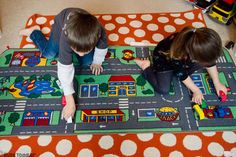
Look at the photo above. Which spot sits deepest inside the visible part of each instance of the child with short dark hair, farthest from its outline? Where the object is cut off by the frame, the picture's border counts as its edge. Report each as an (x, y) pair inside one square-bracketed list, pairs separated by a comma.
[(74, 31), (181, 54)]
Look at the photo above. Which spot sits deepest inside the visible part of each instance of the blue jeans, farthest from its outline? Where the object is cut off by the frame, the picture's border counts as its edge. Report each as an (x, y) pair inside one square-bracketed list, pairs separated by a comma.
[(50, 48)]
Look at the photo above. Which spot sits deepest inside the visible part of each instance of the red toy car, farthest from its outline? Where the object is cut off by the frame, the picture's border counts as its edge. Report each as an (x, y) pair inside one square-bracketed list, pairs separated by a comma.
[(63, 101), (223, 96)]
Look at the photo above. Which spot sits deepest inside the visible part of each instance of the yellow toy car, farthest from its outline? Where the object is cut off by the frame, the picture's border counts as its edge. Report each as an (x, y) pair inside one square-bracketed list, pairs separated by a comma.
[(223, 12)]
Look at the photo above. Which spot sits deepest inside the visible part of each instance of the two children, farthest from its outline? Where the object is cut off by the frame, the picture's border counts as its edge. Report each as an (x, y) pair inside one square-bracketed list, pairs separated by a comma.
[(77, 31)]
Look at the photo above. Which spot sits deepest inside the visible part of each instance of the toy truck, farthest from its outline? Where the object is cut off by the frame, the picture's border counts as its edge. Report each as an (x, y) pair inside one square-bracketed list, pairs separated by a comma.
[(223, 11)]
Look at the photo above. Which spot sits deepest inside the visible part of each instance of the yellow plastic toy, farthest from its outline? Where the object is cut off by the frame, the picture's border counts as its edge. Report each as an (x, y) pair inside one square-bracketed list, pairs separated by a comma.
[(199, 111)]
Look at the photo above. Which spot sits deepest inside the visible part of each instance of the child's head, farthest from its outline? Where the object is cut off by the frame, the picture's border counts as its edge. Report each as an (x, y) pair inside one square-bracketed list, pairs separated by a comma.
[(200, 44), (83, 31)]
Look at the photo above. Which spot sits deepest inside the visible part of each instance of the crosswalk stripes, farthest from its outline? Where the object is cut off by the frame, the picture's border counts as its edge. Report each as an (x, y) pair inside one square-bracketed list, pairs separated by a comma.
[(221, 59), (123, 103), (20, 105)]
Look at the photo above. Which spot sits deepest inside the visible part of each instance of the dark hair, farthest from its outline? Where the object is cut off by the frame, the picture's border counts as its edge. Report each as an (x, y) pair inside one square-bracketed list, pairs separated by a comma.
[(201, 44), (83, 31)]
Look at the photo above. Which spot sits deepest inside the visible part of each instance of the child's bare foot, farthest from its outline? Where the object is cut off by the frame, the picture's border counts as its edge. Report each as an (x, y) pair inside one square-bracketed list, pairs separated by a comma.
[(143, 64), (28, 31)]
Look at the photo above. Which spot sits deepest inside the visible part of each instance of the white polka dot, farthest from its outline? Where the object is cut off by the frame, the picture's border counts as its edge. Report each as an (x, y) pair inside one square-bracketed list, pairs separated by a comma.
[(145, 136), (192, 142), (23, 137), (198, 24), (168, 139), (45, 30), (128, 147), (121, 20), (176, 154), (29, 46), (128, 40), (233, 151), (132, 16), (84, 138), (152, 27), (24, 149), (51, 22), (5, 146), (64, 147), (107, 17), (113, 37), (157, 37), (175, 15), (189, 15), (215, 149), (30, 22), (139, 33), (136, 24), (179, 21), (28, 39), (200, 16), (122, 134), (110, 26), (123, 30), (169, 28), (110, 155), (44, 140), (147, 42), (146, 17), (47, 154), (229, 136), (41, 20), (106, 142), (163, 19), (85, 153), (209, 133), (151, 152)]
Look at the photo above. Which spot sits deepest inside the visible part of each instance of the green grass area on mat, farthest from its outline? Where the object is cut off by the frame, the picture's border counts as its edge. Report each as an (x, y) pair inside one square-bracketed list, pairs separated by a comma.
[(11, 82), (6, 56), (8, 126), (227, 55), (55, 118), (217, 128), (104, 79)]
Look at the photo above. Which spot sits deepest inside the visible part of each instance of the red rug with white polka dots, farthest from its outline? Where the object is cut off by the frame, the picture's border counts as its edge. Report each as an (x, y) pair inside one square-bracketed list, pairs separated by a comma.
[(206, 144), (122, 29), (149, 28)]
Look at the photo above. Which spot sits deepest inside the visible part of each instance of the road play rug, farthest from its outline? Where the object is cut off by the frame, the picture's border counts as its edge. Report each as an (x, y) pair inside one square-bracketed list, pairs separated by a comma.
[(118, 100)]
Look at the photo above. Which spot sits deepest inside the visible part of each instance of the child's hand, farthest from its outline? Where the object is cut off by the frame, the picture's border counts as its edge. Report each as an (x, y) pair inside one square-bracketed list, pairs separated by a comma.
[(143, 64), (219, 86), (69, 109), (96, 69), (197, 97)]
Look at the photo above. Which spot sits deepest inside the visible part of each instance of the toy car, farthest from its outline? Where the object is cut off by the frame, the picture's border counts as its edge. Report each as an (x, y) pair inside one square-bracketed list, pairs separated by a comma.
[(223, 96), (223, 12), (199, 111)]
